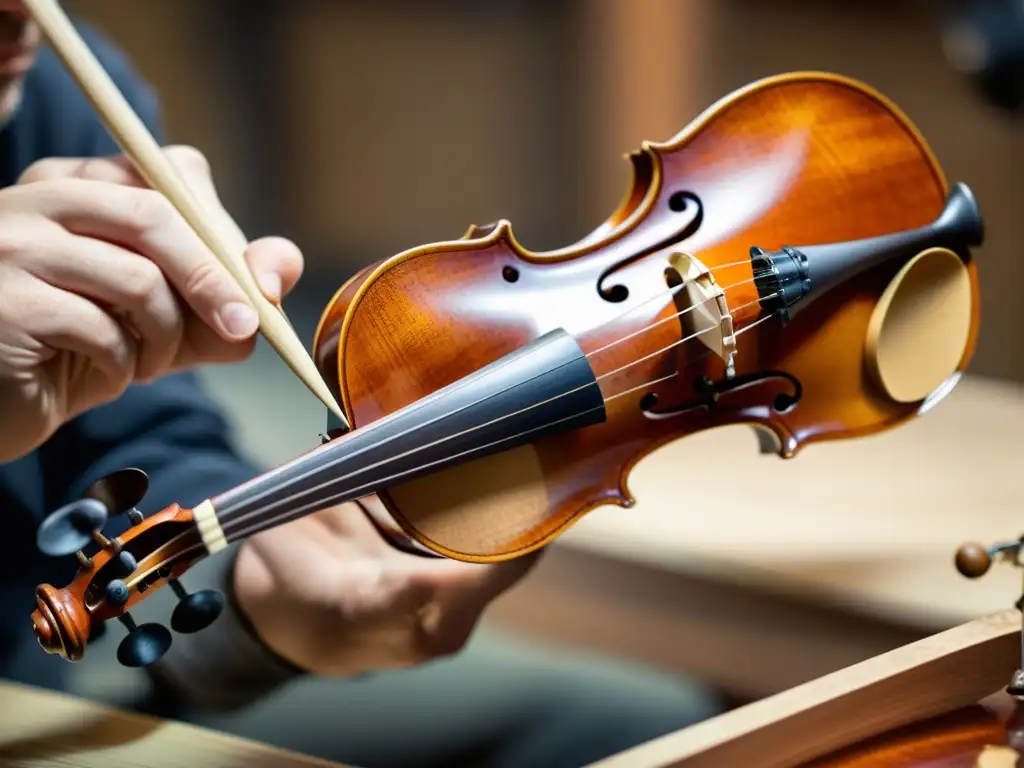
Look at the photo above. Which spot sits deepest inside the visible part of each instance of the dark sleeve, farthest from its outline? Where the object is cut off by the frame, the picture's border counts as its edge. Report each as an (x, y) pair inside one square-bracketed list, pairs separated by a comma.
[(175, 432)]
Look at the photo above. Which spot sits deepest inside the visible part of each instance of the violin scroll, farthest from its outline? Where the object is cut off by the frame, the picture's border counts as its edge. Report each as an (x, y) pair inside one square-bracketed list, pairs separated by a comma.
[(116, 576)]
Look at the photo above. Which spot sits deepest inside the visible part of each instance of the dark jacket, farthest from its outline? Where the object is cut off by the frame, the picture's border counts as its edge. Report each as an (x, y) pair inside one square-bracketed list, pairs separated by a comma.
[(171, 429)]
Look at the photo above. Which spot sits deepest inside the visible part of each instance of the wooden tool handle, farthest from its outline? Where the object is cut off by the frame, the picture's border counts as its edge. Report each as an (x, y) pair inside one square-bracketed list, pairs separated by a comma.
[(142, 149)]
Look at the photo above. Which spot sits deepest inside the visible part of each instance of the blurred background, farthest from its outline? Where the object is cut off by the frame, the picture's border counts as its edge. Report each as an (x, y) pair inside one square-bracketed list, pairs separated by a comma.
[(362, 129)]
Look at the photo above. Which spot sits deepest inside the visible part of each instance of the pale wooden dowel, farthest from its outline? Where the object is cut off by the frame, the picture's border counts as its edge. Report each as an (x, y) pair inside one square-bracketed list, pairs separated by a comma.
[(142, 149)]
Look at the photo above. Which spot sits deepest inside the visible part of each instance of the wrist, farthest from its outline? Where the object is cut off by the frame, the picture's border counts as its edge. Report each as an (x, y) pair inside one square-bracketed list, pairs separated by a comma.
[(227, 665), (248, 592)]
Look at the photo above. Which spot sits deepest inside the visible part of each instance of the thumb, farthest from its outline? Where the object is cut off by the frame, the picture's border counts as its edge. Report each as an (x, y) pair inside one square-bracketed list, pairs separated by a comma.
[(276, 264)]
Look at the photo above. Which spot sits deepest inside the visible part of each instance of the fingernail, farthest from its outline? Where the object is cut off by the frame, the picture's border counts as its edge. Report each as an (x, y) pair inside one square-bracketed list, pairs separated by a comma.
[(271, 284), (239, 320)]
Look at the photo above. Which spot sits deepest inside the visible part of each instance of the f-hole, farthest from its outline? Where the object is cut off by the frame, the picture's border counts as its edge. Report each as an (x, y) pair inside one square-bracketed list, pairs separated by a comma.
[(673, 280), (680, 202)]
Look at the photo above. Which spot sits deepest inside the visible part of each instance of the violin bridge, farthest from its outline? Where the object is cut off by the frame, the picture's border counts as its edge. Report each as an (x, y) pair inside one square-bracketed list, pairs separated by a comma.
[(997, 756), (705, 310)]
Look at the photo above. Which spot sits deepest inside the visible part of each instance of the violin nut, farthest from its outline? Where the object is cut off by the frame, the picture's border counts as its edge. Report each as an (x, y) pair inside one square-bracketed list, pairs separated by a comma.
[(61, 626)]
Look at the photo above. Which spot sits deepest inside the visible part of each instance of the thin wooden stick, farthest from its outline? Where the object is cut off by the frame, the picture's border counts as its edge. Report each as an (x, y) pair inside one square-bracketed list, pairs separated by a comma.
[(941, 673), (142, 149)]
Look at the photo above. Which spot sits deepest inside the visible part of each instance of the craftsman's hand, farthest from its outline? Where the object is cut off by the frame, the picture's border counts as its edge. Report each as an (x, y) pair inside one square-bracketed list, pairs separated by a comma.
[(102, 283), (327, 593)]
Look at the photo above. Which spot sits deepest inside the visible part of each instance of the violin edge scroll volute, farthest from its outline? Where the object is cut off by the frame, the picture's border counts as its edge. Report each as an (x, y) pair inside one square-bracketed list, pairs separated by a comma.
[(60, 624)]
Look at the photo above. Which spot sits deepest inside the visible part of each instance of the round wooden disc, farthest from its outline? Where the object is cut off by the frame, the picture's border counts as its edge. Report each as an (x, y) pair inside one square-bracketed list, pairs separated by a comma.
[(920, 327)]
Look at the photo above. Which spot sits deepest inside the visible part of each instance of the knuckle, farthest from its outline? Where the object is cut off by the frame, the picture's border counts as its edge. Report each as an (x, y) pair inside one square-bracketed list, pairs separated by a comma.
[(145, 282), (13, 243), (189, 159), (148, 210), (99, 169), (204, 279), (40, 170)]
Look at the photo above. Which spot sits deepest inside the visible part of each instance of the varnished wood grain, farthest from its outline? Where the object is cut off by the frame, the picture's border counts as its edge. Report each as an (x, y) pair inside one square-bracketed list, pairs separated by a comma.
[(954, 740), (43, 729), (795, 160)]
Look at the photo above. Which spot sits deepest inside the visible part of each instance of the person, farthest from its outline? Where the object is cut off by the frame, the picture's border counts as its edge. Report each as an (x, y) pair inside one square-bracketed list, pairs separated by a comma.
[(333, 642)]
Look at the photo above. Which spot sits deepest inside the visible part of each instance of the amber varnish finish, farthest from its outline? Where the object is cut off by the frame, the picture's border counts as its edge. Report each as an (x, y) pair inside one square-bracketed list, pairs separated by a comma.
[(986, 735), (798, 160)]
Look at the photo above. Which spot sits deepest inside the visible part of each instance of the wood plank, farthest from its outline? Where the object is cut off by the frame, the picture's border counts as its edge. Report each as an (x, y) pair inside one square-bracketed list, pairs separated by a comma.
[(44, 729), (938, 674)]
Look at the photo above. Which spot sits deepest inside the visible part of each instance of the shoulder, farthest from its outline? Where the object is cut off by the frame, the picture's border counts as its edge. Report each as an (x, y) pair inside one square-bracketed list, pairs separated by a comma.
[(55, 118)]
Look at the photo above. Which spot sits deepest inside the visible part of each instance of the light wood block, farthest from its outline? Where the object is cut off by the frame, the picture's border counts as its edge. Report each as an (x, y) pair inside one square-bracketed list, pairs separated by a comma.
[(43, 729)]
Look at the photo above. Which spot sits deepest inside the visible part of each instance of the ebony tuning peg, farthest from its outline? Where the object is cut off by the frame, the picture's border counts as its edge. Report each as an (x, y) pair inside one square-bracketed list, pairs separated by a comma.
[(144, 645), (121, 491), (196, 611), (71, 527)]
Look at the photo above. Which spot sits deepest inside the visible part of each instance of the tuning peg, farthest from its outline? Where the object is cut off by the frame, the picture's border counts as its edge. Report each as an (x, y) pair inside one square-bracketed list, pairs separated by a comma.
[(71, 527), (144, 644), (121, 491), (974, 560), (197, 611)]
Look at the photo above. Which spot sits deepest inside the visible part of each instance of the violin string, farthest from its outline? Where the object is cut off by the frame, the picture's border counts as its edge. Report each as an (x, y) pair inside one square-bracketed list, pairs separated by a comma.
[(683, 340), (756, 323), (262, 525), (469, 405), (620, 394), (645, 385), (671, 292), (672, 317), (468, 430), (231, 526)]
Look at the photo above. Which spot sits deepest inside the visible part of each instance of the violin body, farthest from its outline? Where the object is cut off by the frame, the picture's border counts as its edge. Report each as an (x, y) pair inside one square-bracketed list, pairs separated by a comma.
[(984, 735), (796, 159)]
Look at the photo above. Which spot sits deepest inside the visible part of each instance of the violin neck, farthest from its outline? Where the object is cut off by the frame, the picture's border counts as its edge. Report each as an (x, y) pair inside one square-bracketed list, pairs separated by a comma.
[(545, 387)]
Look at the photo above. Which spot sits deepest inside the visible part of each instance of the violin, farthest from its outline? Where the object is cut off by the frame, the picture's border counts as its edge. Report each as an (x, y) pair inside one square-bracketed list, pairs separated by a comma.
[(792, 260)]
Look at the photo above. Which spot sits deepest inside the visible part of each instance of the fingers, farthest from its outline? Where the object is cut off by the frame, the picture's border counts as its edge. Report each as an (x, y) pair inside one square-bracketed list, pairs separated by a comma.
[(190, 163), (126, 283), (146, 222), (277, 265), (61, 320)]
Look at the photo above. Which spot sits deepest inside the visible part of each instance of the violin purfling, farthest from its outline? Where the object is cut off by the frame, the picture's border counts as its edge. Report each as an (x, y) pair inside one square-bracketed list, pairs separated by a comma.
[(792, 260)]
